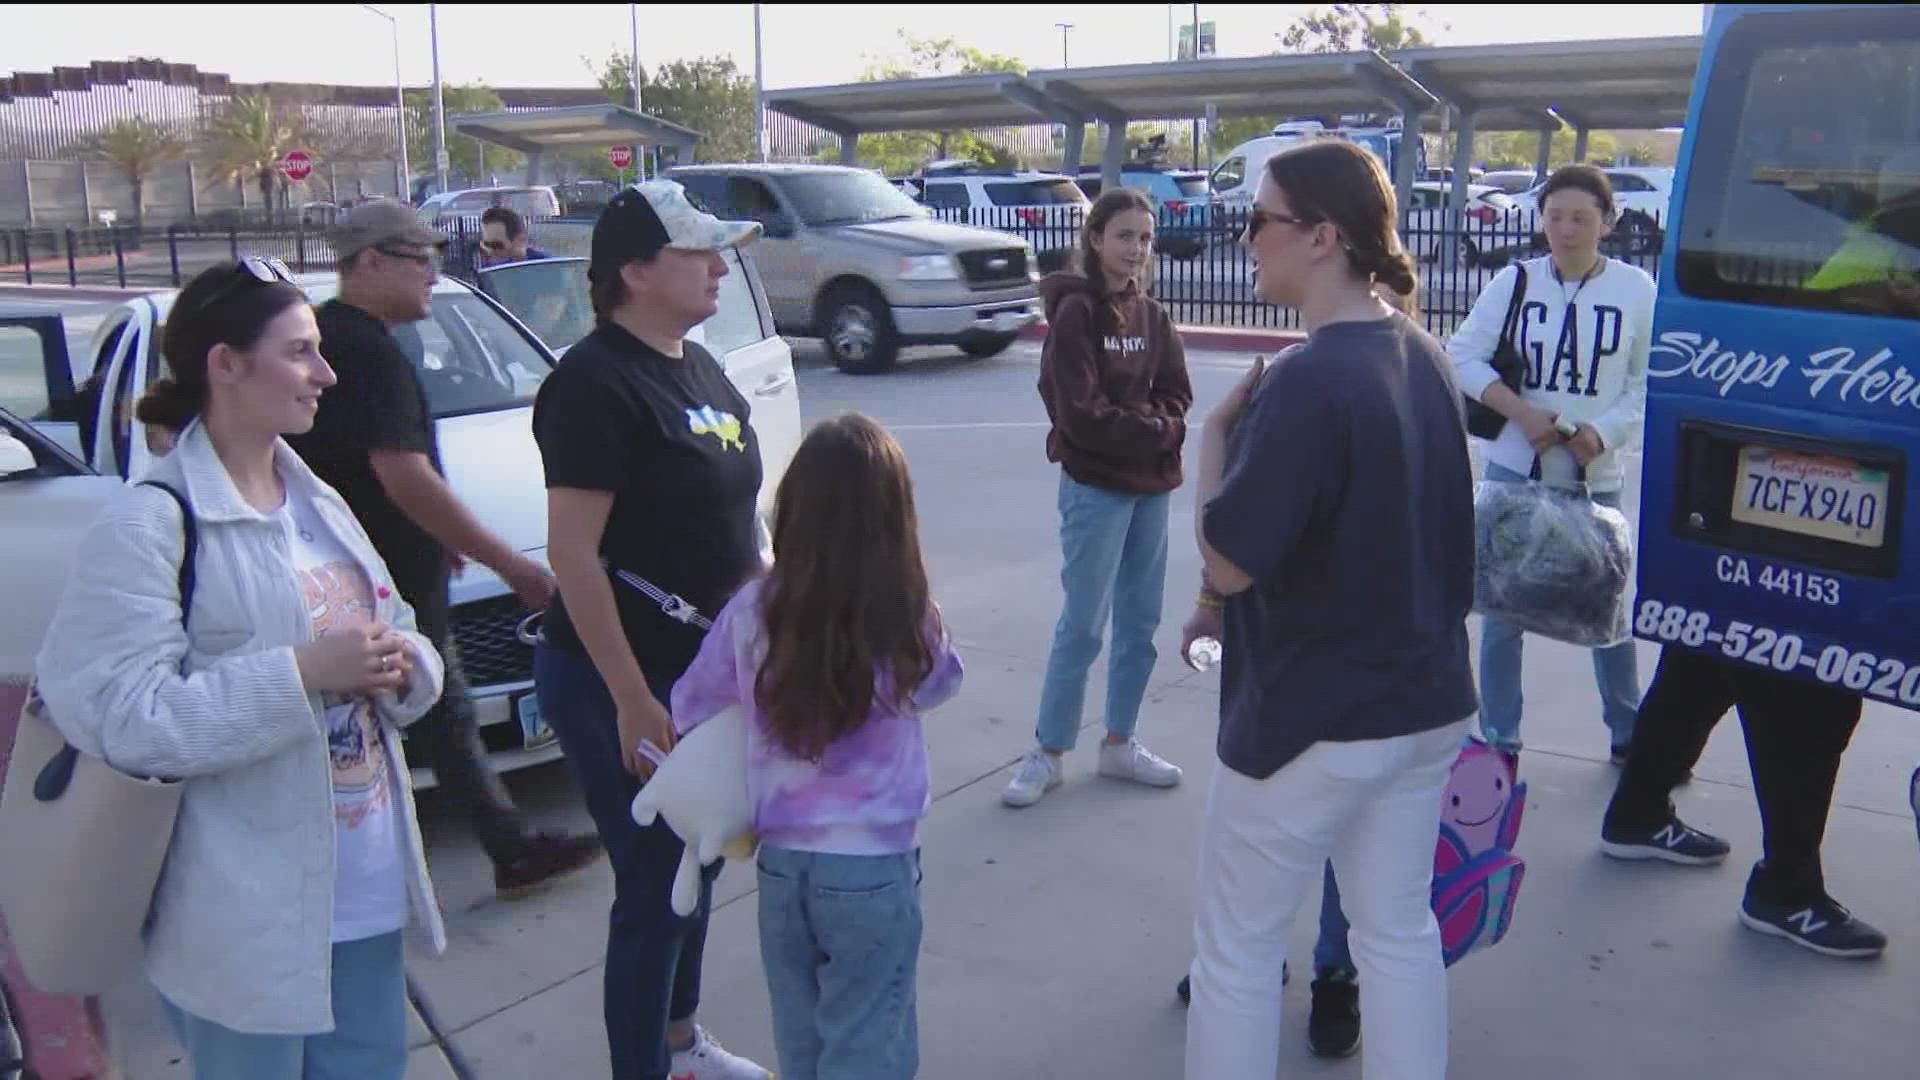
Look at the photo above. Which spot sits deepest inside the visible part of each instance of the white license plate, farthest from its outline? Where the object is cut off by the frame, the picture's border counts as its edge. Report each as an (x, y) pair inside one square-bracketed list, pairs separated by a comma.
[(1828, 498), (534, 732)]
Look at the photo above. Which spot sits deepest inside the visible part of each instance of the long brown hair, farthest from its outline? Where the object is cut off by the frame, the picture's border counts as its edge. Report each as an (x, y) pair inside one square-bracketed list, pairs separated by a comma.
[(1111, 202), (846, 604), (1340, 183)]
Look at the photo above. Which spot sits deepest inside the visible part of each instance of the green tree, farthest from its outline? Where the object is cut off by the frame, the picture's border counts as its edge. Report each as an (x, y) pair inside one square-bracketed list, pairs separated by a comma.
[(466, 157), (245, 140), (709, 94), (1520, 149), (136, 147), (1352, 27), (902, 151)]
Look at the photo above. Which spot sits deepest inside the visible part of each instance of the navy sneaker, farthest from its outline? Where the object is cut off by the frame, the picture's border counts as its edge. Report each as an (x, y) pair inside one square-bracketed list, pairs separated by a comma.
[(1822, 926), (1333, 1027), (1674, 842)]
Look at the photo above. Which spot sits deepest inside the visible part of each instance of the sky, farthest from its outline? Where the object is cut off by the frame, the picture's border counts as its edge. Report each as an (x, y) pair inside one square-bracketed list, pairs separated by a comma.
[(802, 44)]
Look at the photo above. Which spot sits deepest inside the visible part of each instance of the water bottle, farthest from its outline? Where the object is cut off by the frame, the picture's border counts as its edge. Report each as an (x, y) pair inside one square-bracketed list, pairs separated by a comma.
[(1204, 654)]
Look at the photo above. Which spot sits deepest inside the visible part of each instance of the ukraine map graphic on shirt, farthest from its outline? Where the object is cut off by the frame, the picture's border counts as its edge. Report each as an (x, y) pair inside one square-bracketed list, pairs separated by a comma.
[(339, 596), (724, 426)]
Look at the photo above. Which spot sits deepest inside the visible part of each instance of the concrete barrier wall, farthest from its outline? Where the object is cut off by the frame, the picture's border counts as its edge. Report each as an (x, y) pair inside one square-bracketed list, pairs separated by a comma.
[(51, 193)]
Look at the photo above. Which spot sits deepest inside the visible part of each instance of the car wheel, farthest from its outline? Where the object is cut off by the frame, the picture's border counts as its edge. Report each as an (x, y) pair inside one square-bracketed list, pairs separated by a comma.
[(1184, 250), (1466, 252), (984, 345), (1637, 234), (858, 330)]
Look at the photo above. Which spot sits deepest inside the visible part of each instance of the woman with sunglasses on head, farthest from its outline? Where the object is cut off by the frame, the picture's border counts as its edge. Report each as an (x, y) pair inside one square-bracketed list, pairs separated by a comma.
[(274, 692), (1336, 532)]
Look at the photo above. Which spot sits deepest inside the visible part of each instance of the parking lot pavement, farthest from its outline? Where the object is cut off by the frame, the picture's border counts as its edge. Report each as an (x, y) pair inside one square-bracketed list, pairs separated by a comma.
[(1055, 935)]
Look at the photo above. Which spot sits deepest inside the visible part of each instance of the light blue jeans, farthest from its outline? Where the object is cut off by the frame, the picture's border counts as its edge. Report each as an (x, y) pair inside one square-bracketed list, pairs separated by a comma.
[(1114, 567), (368, 1040), (1616, 669), (840, 939)]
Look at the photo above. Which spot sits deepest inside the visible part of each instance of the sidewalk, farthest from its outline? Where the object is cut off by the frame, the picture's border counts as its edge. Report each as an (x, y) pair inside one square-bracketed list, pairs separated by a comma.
[(1055, 935)]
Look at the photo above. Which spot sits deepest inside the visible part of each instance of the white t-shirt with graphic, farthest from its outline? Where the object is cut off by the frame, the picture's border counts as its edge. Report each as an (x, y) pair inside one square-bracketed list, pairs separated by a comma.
[(370, 884)]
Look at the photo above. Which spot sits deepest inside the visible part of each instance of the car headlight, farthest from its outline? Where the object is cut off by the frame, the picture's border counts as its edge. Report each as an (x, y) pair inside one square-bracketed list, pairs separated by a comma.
[(938, 267)]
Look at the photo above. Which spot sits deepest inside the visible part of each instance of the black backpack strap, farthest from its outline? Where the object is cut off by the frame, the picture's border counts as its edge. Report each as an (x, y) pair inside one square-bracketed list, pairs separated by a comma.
[(190, 559), (1515, 303)]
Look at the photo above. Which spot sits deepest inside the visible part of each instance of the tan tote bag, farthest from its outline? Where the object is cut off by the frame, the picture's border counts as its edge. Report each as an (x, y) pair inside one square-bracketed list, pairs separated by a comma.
[(82, 845)]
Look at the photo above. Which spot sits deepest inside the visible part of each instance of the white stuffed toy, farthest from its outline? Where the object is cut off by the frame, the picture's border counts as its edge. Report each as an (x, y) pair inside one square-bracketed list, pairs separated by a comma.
[(701, 790)]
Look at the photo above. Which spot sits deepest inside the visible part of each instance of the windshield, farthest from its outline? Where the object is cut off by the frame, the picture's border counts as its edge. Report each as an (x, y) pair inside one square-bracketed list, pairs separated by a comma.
[(470, 359), (1786, 207), (847, 198), (1191, 184)]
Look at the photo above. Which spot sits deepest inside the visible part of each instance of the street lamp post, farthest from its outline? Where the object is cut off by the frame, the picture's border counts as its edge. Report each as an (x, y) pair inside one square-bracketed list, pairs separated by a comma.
[(759, 94), (439, 103), (404, 176), (1064, 28)]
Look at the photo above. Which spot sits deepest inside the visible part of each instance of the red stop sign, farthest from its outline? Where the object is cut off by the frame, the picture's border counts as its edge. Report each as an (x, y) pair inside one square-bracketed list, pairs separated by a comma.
[(620, 156), (297, 165)]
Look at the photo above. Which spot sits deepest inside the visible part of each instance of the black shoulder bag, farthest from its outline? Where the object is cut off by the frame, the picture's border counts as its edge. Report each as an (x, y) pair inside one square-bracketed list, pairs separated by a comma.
[(1483, 422)]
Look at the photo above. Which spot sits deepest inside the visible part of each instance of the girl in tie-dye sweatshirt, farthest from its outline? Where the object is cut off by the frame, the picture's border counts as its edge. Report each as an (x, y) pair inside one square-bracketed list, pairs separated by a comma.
[(833, 655)]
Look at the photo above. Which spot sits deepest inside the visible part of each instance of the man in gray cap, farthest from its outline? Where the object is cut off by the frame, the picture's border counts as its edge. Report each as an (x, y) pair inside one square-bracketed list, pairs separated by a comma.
[(374, 441)]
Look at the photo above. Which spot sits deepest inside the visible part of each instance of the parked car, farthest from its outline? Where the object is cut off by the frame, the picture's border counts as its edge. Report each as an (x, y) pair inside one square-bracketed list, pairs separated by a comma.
[(1511, 181), (1183, 204), (1490, 220), (850, 259), (481, 366)]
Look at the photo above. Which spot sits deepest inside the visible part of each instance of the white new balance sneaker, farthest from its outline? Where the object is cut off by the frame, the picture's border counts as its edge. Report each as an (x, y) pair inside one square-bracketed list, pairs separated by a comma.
[(1131, 761), (1038, 773), (708, 1060)]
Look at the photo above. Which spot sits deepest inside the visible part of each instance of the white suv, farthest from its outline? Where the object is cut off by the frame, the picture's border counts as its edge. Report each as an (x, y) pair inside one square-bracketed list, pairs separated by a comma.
[(480, 364), (1045, 209)]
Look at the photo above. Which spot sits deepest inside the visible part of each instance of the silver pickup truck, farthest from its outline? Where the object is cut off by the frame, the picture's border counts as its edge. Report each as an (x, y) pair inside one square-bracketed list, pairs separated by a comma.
[(849, 259)]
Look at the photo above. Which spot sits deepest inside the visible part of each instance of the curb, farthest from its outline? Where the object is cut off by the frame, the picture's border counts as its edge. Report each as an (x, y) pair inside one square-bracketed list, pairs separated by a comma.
[(1215, 338), (57, 293)]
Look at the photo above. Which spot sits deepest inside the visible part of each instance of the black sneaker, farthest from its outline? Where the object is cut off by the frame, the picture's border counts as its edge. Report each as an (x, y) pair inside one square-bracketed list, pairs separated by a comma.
[(1185, 989), (1674, 842), (1823, 926), (1333, 1027)]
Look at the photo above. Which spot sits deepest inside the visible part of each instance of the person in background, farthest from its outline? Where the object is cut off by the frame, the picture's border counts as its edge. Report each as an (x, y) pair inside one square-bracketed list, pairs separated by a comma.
[(1586, 329), (653, 473), (275, 694), (504, 238), (1796, 733), (1113, 376), (374, 441), (834, 655), (1336, 531)]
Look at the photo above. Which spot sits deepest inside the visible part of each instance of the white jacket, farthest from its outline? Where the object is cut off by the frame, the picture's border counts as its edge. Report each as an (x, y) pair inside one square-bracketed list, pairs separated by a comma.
[(242, 921), (1587, 362)]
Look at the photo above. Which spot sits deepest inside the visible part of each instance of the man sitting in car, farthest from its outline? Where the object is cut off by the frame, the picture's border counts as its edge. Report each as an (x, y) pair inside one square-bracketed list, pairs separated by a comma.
[(504, 239)]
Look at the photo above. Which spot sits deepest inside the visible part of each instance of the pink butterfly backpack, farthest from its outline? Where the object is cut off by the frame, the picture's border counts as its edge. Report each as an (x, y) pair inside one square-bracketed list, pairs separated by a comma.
[(1476, 876)]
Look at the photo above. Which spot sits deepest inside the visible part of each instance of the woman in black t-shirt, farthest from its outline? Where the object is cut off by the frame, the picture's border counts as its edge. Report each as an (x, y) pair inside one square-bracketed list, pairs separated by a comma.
[(652, 476)]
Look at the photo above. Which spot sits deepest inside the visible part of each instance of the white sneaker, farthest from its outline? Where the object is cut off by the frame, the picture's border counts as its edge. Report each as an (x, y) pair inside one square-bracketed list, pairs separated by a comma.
[(1131, 761), (708, 1060), (1039, 773)]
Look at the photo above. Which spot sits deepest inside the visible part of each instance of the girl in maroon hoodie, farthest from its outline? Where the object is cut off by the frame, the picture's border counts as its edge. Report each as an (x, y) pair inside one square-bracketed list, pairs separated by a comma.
[(1114, 380)]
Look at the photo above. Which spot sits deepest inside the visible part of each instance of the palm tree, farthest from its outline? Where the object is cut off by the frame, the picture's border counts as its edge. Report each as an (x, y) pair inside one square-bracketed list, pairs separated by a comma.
[(247, 140), (136, 147)]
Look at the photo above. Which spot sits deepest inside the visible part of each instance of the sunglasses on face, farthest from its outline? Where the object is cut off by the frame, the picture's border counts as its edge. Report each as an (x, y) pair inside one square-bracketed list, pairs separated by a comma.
[(1260, 217)]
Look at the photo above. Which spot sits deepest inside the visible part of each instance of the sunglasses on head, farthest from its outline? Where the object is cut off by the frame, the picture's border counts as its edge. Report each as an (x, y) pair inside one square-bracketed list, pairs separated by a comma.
[(252, 270)]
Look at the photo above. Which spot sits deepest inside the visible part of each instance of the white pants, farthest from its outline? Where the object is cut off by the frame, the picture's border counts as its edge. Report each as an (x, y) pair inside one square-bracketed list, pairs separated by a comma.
[(1374, 808)]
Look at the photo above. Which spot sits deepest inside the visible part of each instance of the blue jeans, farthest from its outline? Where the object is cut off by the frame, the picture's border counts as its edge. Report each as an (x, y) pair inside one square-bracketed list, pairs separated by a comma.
[(652, 975), (1114, 567), (368, 1040), (840, 939), (1616, 669), (1330, 955)]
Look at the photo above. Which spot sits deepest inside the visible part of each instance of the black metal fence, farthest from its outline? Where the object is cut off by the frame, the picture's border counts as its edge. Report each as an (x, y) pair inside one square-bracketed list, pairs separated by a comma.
[(1203, 274)]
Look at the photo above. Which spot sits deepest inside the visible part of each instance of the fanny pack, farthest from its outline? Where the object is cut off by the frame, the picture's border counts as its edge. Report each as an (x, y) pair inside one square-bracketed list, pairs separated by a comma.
[(672, 605)]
